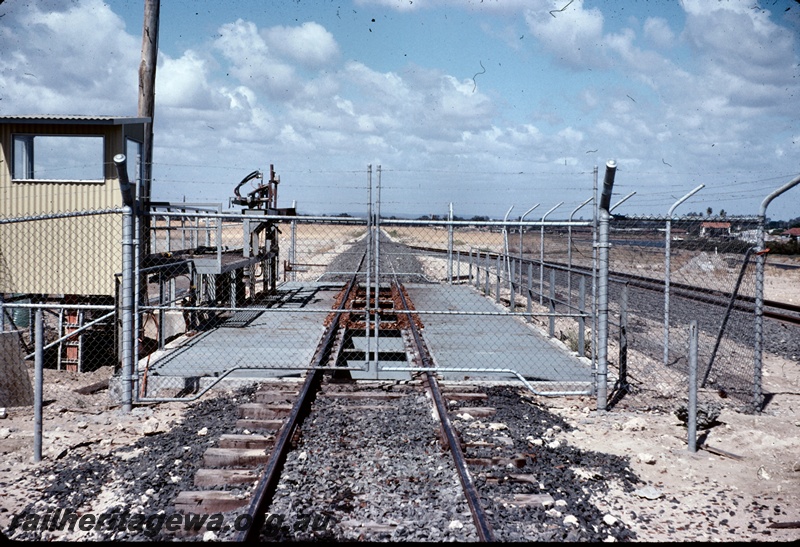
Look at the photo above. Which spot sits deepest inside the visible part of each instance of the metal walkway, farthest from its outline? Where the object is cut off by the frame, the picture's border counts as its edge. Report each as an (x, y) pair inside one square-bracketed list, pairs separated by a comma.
[(282, 343)]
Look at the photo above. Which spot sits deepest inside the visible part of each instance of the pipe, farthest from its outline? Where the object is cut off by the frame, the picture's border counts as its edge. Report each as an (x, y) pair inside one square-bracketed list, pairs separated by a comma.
[(667, 245), (760, 262), (541, 253), (623, 200), (602, 286), (569, 253), (38, 387), (127, 290)]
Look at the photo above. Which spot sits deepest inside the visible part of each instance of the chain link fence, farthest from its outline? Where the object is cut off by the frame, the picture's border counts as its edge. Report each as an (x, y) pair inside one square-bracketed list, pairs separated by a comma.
[(667, 273), (63, 269), (248, 308), (232, 297)]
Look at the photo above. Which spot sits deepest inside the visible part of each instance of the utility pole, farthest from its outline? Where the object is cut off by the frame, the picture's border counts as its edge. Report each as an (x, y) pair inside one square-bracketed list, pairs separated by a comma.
[(147, 96)]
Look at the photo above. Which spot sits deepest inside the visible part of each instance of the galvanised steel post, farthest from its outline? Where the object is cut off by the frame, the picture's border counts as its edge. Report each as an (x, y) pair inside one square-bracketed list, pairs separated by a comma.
[(521, 219), (506, 263), (668, 236), (293, 252), (691, 422), (760, 261), (450, 246), (569, 254), (377, 268), (38, 386), (367, 358), (128, 280), (604, 218), (541, 253)]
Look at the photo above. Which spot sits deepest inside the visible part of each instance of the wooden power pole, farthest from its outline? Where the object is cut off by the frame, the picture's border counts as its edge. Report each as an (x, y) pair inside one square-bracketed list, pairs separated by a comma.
[(147, 97)]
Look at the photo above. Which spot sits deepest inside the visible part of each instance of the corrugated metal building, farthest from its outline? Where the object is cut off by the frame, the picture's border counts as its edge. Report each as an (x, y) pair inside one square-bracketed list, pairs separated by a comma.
[(52, 165)]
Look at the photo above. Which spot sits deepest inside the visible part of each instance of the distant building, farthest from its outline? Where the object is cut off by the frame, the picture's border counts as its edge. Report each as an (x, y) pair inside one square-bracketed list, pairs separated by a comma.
[(715, 229), (791, 234)]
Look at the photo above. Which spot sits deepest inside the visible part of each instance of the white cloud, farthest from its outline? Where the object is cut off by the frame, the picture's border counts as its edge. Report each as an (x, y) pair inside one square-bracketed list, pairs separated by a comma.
[(52, 64), (573, 36), (309, 44), (252, 62), (657, 30)]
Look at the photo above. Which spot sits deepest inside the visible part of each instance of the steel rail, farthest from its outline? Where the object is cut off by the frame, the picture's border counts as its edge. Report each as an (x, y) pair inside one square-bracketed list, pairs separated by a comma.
[(479, 517), (268, 483), (715, 297)]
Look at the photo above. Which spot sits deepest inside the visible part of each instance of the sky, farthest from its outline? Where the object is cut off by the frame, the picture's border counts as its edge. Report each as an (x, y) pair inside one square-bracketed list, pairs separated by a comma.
[(491, 106)]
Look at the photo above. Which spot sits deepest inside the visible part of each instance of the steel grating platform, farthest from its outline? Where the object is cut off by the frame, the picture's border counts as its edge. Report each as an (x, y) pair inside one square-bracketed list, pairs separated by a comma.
[(281, 343)]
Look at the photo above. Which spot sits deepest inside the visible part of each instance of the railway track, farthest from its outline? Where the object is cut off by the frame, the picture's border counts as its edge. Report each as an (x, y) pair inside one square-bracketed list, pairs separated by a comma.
[(780, 311), (395, 439)]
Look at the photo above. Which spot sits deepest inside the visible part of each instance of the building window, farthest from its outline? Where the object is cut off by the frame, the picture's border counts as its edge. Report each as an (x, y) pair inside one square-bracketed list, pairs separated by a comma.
[(71, 158)]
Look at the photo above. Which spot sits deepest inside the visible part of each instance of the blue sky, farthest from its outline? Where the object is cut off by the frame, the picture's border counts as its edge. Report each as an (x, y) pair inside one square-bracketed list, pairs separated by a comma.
[(482, 104)]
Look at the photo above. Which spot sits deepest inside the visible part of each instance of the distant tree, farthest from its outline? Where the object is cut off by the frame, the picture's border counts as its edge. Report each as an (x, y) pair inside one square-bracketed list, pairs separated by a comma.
[(722, 213), (709, 211)]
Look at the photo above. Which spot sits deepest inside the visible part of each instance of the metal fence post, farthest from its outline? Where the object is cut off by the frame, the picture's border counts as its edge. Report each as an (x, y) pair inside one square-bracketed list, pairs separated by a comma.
[(38, 387), (602, 286), (569, 253), (128, 280), (529, 296), (668, 235), (581, 317), (692, 408), (497, 282), (370, 236), (761, 259), (450, 246), (552, 303), (541, 253)]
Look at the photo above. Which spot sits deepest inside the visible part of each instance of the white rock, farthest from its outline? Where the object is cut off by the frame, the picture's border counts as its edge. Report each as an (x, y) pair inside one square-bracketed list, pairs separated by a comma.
[(561, 503), (455, 525), (3, 414), (649, 492), (496, 426), (762, 474), (553, 445), (610, 539), (209, 536), (5, 433), (610, 520), (635, 424), (644, 457), (464, 416), (571, 519), (203, 432), (81, 425)]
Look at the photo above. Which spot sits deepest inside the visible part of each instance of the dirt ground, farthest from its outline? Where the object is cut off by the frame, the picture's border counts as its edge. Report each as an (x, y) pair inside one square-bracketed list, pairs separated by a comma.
[(743, 484)]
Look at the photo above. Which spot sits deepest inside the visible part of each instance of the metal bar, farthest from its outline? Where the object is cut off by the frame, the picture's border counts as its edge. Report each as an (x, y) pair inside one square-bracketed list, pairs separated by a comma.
[(602, 286), (450, 246), (692, 409), (552, 304), (623, 338), (759, 333), (582, 316), (529, 296), (668, 235), (726, 316), (541, 253), (38, 386), (569, 251)]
